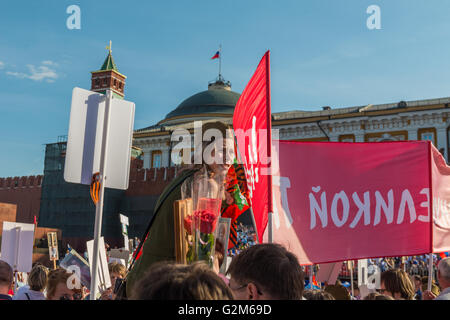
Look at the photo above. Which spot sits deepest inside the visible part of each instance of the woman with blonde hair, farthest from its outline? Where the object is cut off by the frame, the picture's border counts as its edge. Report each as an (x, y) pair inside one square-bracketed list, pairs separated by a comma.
[(37, 281)]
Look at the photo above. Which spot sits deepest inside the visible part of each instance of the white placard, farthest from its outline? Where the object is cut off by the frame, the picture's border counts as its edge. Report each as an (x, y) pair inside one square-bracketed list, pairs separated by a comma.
[(120, 254), (363, 273), (123, 219), (104, 280), (17, 245), (86, 135)]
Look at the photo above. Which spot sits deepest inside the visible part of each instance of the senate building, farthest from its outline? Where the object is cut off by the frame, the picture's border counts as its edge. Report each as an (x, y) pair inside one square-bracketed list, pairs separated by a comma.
[(68, 207)]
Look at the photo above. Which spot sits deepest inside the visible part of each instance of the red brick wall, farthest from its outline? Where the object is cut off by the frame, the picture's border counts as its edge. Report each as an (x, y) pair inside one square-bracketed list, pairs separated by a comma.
[(150, 181), (7, 213), (25, 192)]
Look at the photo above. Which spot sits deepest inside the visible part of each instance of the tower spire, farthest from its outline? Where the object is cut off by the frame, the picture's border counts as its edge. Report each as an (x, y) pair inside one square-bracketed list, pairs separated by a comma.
[(109, 48), (108, 77)]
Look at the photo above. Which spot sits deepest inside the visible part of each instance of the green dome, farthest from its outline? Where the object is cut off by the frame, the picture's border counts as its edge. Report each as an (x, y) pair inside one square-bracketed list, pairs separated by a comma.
[(217, 99)]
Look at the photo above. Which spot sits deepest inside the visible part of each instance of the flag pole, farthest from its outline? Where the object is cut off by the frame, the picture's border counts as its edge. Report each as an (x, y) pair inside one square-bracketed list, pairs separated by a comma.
[(430, 271), (269, 147), (220, 61), (351, 278)]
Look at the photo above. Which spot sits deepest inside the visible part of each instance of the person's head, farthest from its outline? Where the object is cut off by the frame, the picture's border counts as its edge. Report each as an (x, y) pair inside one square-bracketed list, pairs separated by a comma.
[(58, 284), (338, 291), (6, 277), (266, 272), (317, 295), (167, 281), (377, 296), (37, 279), (444, 273), (217, 147), (417, 282), (434, 287), (116, 271), (396, 283)]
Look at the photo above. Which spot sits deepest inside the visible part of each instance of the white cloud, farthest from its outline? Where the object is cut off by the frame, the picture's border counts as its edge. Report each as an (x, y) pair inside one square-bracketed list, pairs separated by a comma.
[(49, 63), (45, 72), (16, 74), (2, 65)]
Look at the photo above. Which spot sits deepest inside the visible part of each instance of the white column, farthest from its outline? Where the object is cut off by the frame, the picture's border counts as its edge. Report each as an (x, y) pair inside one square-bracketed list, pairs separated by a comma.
[(147, 158), (165, 157)]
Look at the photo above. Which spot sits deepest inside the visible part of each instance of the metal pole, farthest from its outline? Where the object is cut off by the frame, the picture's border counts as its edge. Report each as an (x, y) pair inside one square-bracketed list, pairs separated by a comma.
[(430, 271), (99, 207), (220, 60), (351, 278), (270, 228), (16, 257)]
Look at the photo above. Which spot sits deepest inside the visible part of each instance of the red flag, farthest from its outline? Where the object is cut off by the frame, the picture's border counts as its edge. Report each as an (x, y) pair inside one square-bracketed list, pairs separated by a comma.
[(252, 127), (442, 255), (35, 222)]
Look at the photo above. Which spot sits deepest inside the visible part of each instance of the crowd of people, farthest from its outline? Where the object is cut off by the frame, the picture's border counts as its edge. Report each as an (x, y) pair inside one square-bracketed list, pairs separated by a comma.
[(259, 272)]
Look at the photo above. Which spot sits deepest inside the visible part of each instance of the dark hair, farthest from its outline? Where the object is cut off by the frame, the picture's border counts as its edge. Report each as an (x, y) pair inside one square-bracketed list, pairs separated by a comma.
[(397, 281), (377, 296), (338, 291), (6, 274), (317, 295), (168, 281), (272, 268)]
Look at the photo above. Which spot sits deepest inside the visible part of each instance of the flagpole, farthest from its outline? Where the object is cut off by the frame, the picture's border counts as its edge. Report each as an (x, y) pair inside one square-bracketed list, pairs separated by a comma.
[(220, 60), (269, 147)]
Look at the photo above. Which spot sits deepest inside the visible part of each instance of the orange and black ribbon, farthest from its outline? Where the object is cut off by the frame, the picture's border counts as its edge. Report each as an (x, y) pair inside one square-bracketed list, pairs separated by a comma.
[(95, 187)]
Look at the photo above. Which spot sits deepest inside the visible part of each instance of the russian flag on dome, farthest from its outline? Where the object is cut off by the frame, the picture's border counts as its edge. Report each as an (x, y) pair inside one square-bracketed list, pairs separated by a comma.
[(217, 55)]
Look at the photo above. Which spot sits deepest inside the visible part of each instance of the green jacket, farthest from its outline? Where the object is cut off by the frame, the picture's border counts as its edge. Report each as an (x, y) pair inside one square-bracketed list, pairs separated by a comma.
[(160, 243)]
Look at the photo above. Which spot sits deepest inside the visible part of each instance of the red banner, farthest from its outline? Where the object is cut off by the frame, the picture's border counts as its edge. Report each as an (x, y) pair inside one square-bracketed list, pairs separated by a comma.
[(345, 201), (441, 202), (252, 128)]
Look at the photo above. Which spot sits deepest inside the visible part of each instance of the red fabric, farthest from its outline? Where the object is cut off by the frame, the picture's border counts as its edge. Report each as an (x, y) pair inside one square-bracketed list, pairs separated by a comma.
[(252, 128), (440, 202), (345, 201)]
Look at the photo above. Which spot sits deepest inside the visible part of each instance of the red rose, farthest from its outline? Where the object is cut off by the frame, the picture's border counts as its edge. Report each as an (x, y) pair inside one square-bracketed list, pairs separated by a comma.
[(188, 224), (206, 221)]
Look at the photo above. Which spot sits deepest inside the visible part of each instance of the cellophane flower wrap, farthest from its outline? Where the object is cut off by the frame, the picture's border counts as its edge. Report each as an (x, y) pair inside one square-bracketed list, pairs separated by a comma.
[(200, 227)]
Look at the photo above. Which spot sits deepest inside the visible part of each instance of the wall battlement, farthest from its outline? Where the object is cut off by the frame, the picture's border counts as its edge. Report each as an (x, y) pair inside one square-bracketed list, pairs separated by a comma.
[(150, 181), (21, 182)]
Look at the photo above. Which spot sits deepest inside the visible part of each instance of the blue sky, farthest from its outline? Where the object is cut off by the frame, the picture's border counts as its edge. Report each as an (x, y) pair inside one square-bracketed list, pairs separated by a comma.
[(322, 53)]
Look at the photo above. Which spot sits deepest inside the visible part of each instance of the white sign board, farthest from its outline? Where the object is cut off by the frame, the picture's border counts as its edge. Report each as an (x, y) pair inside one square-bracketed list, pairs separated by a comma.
[(104, 280), (124, 219), (122, 255), (363, 273), (17, 245), (86, 134)]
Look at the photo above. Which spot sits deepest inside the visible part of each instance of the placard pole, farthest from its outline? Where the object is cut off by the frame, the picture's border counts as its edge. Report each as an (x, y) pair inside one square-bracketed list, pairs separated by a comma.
[(351, 278), (16, 257), (430, 271), (270, 228), (99, 206)]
